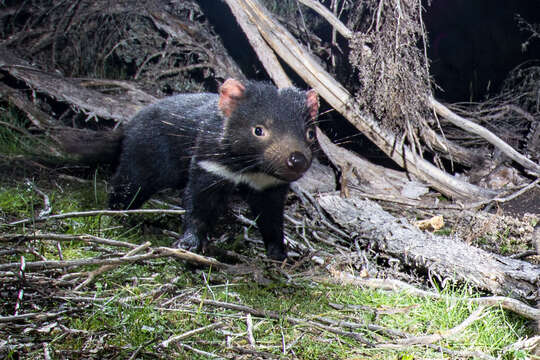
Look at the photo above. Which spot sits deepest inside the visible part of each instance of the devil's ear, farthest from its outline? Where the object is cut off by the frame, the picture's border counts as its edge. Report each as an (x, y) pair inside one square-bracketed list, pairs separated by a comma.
[(312, 101), (230, 92)]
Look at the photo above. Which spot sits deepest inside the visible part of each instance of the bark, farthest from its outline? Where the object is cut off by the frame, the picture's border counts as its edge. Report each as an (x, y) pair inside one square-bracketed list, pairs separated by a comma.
[(71, 91), (440, 255)]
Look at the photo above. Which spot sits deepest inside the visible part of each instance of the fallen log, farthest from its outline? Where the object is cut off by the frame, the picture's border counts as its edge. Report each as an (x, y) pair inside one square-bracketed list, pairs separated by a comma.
[(70, 91), (443, 256)]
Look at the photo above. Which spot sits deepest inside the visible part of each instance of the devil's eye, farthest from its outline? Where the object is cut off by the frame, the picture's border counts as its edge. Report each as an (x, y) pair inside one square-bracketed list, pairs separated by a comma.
[(310, 134), (258, 131)]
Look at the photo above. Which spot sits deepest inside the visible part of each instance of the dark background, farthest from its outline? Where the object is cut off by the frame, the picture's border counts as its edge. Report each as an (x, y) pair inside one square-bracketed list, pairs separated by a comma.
[(473, 44)]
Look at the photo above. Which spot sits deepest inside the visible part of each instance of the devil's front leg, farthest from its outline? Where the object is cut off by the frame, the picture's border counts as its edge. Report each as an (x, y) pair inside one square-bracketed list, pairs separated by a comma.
[(267, 206), (205, 199)]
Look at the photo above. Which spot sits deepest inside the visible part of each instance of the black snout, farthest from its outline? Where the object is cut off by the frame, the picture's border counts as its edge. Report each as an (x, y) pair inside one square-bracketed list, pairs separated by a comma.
[(297, 162)]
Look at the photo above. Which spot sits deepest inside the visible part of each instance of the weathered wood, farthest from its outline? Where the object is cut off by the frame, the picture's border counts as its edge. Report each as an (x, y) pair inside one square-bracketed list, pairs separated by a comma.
[(473, 158), (67, 90), (474, 128), (331, 18), (217, 56), (442, 255), (359, 173), (35, 115), (264, 53)]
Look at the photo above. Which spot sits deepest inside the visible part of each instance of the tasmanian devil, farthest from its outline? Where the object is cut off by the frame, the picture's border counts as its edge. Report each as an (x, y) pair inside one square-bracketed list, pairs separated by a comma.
[(251, 137)]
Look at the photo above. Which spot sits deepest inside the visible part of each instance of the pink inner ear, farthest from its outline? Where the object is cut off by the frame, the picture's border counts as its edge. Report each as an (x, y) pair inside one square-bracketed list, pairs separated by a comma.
[(313, 103), (229, 93)]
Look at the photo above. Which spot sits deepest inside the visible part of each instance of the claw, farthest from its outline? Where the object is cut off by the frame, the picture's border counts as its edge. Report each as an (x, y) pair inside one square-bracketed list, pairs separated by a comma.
[(189, 242)]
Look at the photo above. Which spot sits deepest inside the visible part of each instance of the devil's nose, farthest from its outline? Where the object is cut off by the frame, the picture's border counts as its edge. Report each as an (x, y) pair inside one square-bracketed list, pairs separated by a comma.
[(297, 162)]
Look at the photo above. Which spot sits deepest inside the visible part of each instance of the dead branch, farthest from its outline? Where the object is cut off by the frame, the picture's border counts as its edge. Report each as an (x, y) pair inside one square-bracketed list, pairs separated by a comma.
[(486, 134), (507, 303), (38, 316), (264, 53), (433, 338), (190, 333), (441, 255), (58, 264), (154, 253), (191, 257), (97, 213), (67, 90), (6, 238), (369, 178), (38, 118), (512, 196), (329, 16), (452, 151), (93, 274)]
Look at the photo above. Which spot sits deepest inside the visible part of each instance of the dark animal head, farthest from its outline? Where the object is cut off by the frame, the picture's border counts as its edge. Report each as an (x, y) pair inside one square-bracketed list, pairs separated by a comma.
[(267, 129)]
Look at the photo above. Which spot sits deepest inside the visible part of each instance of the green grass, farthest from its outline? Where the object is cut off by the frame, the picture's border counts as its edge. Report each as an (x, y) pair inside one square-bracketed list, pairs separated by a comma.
[(15, 136), (109, 327)]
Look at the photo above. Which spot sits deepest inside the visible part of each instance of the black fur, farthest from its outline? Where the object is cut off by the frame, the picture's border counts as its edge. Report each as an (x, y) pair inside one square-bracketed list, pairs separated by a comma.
[(251, 137)]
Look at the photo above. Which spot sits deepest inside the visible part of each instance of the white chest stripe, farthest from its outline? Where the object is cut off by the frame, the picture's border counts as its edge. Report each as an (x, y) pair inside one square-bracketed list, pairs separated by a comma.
[(257, 181)]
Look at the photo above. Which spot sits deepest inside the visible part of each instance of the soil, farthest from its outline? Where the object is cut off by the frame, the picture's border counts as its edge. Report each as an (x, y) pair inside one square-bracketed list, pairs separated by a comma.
[(527, 203)]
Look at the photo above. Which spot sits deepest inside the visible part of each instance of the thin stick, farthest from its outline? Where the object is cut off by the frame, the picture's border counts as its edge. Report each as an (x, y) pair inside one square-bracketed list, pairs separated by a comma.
[(190, 333), (63, 237), (329, 16), (191, 257), (433, 338), (276, 316), (506, 198), (93, 274), (481, 131), (396, 285), (46, 202), (34, 316), (153, 254), (197, 351), (249, 323), (51, 264), (97, 213)]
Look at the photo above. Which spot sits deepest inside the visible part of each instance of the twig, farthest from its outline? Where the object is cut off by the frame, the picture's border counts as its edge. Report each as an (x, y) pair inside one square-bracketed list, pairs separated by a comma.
[(462, 354), (329, 16), (479, 130), (197, 351), (433, 338), (46, 202), (191, 257), (249, 323), (153, 254), (22, 280), (397, 285), (190, 333), (276, 316), (524, 254), (63, 237), (33, 316), (51, 264), (97, 213), (92, 275), (506, 198)]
